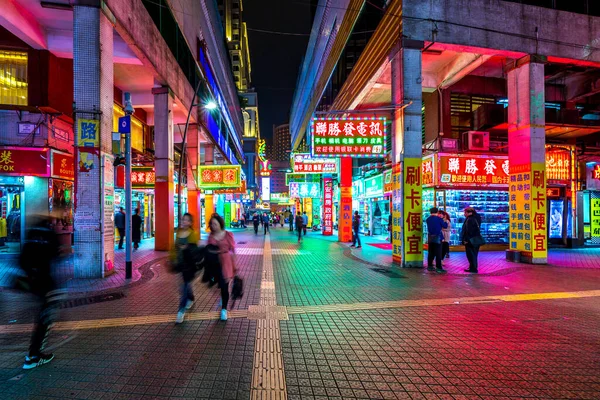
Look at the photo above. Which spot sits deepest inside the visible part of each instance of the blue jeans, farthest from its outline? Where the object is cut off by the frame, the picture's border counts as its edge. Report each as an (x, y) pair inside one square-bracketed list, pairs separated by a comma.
[(355, 238), (186, 294)]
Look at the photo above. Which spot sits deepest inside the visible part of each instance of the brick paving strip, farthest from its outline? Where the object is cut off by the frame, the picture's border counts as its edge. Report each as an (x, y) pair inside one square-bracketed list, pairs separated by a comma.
[(267, 314), (268, 378)]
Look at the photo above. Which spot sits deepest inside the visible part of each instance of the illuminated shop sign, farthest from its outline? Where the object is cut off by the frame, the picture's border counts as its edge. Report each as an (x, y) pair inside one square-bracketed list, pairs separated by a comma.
[(328, 207), (143, 177), (595, 217), (63, 166), (265, 189), (427, 171), (304, 190), (301, 178), (596, 172), (355, 137), (219, 176), (558, 164), (24, 161), (305, 164), (388, 185), (240, 190), (470, 170), (374, 186)]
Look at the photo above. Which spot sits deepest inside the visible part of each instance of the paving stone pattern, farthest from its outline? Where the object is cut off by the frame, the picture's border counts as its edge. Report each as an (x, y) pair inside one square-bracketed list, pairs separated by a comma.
[(548, 349)]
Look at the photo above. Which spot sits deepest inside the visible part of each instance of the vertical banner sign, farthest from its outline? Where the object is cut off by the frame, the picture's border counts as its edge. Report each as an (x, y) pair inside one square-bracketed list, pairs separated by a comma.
[(538, 207), (397, 213), (345, 221), (327, 206), (109, 212), (227, 214), (595, 217), (308, 207), (413, 211)]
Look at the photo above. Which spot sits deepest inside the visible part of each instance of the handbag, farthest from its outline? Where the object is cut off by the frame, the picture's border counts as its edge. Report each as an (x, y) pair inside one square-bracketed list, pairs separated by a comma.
[(237, 291), (477, 240)]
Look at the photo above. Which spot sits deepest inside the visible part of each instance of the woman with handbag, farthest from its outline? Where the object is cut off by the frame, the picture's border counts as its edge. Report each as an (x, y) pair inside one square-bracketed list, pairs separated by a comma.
[(225, 242), (185, 246), (471, 237)]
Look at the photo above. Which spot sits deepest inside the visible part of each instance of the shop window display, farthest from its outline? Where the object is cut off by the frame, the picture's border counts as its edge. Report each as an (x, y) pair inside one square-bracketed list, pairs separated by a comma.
[(10, 219)]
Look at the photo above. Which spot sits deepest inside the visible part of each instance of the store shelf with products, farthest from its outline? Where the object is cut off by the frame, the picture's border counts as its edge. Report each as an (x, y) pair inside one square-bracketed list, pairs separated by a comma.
[(492, 205)]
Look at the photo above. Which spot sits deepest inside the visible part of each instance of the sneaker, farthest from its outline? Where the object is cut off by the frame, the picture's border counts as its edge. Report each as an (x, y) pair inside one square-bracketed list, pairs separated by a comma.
[(189, 304), (180, 316), (441, 271), (430, 269), (359, 247), (353, 245), (473, 271), (36, 361), (223, 315)]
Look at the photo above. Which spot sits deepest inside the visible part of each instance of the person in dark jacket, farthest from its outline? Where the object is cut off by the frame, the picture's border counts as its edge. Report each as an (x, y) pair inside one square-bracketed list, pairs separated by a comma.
[(256, 222), (136, 229), (355, 228), (38, 256), (120, 225), (265, 221), (435, 236), (186, 243), (470, 229), (299, 225)]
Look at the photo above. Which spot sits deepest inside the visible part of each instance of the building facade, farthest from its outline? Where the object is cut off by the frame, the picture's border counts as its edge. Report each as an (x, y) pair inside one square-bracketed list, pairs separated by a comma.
[(281, 143)]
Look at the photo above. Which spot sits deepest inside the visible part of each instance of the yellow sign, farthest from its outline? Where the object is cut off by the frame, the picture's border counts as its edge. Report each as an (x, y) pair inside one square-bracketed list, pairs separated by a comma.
[(88, 133), (528, 219), (595, 218), (413, 211)]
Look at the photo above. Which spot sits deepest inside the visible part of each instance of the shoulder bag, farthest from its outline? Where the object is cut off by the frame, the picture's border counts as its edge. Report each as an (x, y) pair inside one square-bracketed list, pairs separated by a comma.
[(477, 240)]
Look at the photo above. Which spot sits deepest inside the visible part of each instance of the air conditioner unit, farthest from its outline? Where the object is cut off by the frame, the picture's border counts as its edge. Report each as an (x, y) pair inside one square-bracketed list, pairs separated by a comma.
[(477, 140)]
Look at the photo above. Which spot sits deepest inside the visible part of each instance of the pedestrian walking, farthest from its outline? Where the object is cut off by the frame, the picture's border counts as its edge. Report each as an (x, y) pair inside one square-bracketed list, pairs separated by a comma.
[(225, 242), (299, 225), (446, 234), (471, 238), (186, 243), (304, 222), (281, 219), (435, 224), (266, 223), (38, 257), (355, 228), (291, 220), (256, 222), (120, 225), (136, 229)]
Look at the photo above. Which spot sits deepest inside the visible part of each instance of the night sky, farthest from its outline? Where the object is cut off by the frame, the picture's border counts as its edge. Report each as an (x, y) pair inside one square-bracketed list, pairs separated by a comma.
[(275, 58)]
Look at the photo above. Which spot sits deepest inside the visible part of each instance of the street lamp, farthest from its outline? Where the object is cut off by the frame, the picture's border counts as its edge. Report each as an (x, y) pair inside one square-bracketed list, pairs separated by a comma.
[(211, 105)]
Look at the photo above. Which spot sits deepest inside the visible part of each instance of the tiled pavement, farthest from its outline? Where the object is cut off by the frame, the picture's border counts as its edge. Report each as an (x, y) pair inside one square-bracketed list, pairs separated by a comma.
[(493, 350)]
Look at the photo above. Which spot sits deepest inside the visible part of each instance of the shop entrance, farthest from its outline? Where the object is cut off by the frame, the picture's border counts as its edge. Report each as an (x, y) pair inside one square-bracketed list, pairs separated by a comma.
[(12, 221), (559, 214)]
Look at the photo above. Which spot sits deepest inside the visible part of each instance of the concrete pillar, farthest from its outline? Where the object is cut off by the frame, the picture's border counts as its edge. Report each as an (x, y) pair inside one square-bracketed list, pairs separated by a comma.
[(209, 205), (93, 98), (527, 155), (163, 164), (193, 159), (345, 205), (407, 208)]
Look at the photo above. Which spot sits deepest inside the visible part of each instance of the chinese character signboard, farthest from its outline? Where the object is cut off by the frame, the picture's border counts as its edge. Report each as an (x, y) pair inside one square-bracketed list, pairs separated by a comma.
[(63, 166), (143, 177), (327, 206), (219, 176), (387, 182), (345, 219), (301, 178), (24, 161), (413, 211), (427, 171), (88, 133), (374, 186), (355, 137), (528, 225), (397, 213), (305, 164), (473, 170), (596, 172), (595, 217), (240, 190), (304, 190), (558, 164)]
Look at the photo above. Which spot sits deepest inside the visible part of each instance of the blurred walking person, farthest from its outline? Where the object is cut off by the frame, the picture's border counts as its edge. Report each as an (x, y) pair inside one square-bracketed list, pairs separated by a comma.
[(186, 243), (471, 237), (225, 242), (304, 222), (355, 228), (291, 221), (136, 229), (256, 222), (38, 258), (120, 225), (266, 223), (299, 225)]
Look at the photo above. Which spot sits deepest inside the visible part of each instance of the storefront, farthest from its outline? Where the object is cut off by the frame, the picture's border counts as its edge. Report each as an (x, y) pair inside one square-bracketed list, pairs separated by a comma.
[(34, 181), (589, 205), (142, 197), (376, 207)]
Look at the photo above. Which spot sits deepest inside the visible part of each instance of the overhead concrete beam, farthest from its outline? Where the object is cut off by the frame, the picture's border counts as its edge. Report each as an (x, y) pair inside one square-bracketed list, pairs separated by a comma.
[(460, 67), (18, 21), (583, 89), (370, 85)]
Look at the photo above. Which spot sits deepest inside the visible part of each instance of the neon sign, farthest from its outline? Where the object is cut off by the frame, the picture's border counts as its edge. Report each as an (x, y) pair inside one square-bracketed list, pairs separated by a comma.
[(219, 176), (355, 137)]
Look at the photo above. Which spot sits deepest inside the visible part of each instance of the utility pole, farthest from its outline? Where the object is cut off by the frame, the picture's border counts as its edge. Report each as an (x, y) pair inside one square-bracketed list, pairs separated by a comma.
[(125, 128)]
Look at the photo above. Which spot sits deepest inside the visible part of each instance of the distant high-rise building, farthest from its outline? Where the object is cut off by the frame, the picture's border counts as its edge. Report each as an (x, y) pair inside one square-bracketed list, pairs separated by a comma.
[(282, 142), (237, 41)]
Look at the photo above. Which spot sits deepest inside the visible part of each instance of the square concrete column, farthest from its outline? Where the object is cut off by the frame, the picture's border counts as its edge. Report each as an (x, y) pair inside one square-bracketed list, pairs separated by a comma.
[(163, 164), (193, 158), (407, 208), (345, 208), (209, 205), (93, 97), (527, 156)]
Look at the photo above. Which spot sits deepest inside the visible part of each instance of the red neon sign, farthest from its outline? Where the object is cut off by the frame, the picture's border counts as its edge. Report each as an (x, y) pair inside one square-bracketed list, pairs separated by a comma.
[(470, 170), (596, 172), (357, 137), (327, 207)]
